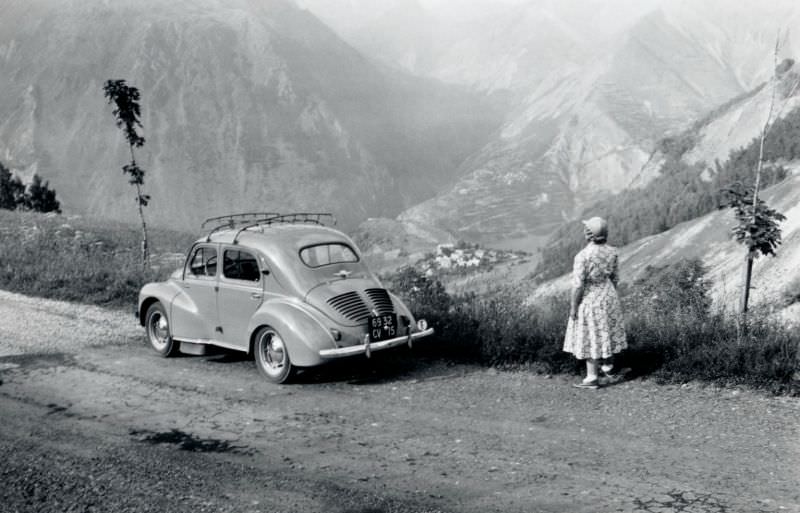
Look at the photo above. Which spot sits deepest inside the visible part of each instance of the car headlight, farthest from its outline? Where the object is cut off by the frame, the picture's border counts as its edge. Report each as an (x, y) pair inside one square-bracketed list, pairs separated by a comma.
[(422, 324)]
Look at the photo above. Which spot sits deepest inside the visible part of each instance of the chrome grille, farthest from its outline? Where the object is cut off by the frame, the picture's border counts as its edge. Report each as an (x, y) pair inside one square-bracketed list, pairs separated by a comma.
[(350, 305), (380, 300)]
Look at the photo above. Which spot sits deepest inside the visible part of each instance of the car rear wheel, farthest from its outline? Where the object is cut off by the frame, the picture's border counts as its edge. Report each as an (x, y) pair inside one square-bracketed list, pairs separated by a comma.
[(158, 331), (272, 356)]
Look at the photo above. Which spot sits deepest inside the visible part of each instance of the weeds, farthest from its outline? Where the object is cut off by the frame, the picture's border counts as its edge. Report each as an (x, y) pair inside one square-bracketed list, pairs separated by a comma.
[(74, 260), (674, 335)]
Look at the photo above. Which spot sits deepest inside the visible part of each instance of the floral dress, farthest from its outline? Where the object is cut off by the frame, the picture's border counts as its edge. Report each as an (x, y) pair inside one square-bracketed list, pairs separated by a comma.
[(599, 331)]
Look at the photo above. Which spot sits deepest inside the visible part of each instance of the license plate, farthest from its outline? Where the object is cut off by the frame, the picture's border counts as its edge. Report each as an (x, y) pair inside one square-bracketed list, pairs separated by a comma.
[(382, 327)]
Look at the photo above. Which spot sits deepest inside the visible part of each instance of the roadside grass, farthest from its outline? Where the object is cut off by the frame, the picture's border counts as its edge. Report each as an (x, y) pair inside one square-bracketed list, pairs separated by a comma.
[(75, 259), (673, 337), (674, 334)]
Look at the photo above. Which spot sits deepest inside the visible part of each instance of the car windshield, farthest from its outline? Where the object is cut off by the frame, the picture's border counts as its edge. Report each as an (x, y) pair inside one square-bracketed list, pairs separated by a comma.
[(326, 254)]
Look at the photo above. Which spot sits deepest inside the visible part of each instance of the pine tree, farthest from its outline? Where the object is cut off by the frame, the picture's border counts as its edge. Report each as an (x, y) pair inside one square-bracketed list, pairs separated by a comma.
[(12, 191), (40, 198), (7, 199)]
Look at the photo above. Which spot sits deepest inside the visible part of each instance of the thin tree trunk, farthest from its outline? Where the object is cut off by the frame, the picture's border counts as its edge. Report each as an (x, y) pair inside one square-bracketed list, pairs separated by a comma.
[(748, 272), (145, 246), (747, 276)]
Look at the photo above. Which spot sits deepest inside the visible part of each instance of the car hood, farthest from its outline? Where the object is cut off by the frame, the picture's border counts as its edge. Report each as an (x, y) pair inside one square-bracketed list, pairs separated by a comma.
[(350, 302)]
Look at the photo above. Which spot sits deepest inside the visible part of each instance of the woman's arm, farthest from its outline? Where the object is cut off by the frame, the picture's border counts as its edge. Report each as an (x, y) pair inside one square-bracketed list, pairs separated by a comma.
[(615, 271), (578, 277), (575, 301)]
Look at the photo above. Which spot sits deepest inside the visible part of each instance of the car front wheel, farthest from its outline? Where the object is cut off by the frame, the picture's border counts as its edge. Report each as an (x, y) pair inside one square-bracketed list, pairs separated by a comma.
[(158, 331), (272, 356)]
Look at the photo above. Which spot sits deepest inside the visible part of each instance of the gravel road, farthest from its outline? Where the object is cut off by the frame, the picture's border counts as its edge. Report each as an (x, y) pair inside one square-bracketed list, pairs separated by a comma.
[(92, 420)]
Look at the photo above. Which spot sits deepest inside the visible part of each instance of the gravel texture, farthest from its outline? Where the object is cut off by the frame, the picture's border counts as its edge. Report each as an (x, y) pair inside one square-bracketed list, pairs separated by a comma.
[(92, 420)]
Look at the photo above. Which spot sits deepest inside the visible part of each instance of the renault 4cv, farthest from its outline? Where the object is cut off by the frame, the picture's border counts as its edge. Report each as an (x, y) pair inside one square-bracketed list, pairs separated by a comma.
[(287, 289)]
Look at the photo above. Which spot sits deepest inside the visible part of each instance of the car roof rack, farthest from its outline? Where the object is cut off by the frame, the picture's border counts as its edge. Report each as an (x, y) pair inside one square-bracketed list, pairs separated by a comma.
[(247, 220)]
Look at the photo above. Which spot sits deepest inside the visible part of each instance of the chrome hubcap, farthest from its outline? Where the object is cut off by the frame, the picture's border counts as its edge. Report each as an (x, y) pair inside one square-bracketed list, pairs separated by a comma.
[(272, 353), (159, 330)]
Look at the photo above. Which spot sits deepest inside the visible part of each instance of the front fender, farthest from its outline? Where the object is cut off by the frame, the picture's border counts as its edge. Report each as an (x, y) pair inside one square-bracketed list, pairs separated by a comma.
[(163, 292), (303, 330)]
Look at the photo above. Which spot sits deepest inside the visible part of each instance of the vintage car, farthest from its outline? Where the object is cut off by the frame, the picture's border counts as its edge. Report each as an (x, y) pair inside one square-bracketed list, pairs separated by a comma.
[(290, 291)]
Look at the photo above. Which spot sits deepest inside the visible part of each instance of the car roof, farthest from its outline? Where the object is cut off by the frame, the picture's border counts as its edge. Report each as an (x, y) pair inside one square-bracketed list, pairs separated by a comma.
[(279, 237)]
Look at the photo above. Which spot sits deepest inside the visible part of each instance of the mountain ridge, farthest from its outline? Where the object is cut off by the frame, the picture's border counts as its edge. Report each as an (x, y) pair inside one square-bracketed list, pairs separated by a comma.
[(245, 106)]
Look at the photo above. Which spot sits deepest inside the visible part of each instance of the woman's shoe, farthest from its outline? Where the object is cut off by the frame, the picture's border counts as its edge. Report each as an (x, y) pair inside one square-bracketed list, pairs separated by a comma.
[(592, 383)]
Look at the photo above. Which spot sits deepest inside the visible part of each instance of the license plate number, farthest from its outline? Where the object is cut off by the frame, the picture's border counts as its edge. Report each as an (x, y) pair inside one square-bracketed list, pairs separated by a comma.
[(382, 327)]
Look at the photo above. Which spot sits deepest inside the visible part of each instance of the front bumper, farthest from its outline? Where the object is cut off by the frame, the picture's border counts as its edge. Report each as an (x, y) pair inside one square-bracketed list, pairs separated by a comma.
[(367, 347)]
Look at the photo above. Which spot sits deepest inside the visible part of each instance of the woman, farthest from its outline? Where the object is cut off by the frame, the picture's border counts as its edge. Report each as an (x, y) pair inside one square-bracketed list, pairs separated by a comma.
[(595, 331)]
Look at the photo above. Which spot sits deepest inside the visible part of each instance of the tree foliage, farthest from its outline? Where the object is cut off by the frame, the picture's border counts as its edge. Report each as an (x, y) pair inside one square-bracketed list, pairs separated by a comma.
[(127, 112), (38, 196), (11, 189), (127, 109), (760, 233)]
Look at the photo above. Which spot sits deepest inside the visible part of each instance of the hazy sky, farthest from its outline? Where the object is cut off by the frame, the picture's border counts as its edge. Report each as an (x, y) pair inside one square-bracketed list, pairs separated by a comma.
[(603, 15)]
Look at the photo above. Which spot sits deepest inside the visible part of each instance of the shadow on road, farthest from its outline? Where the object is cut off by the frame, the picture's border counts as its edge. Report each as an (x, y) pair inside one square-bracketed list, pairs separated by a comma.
[(383, 367)]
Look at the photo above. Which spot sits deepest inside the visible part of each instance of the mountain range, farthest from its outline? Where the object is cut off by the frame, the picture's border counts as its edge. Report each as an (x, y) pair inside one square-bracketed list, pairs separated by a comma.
[(588, 132), (246, 106), (708, 237), (491, 121)]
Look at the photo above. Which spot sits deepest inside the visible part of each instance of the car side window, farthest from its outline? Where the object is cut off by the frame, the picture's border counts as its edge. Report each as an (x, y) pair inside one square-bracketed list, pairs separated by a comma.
[(240, 265), (203, 262)]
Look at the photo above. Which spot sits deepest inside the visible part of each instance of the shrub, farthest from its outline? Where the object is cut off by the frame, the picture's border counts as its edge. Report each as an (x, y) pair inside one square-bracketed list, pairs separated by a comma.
[(679, 290), (498, 329), (673, 333)]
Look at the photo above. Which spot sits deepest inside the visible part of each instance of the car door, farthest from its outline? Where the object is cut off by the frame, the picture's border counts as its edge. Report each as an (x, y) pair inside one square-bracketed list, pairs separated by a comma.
[(194, 313), (241, 292)]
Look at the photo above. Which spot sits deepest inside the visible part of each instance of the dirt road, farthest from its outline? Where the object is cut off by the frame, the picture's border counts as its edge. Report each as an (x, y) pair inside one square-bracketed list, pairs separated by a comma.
[(92, 420)]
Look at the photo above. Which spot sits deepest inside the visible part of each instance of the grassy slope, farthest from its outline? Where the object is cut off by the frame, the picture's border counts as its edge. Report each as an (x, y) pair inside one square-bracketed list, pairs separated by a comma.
[(76, 259)]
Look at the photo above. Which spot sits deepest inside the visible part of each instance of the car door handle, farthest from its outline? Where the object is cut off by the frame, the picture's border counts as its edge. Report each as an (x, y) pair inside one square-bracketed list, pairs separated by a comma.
[(256, 295)]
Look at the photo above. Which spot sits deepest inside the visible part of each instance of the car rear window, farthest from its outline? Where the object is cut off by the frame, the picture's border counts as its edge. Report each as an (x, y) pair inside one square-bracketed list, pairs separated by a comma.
[(326, 254)]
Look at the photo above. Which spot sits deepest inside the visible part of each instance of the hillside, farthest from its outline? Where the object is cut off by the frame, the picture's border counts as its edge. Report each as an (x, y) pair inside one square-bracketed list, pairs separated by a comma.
[(245, 105), (683, 187), (775, 280), (588, 131)]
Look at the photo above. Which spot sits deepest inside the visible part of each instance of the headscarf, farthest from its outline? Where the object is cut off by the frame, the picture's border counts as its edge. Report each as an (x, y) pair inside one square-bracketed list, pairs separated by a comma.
[(598, 228)]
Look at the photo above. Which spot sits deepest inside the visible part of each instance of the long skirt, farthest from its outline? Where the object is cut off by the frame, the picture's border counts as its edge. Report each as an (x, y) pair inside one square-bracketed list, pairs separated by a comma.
[(599, 330)]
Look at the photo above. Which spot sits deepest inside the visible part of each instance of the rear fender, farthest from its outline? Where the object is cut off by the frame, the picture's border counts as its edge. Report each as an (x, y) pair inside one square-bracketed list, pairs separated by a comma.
[(402, 310), (303, 331)]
